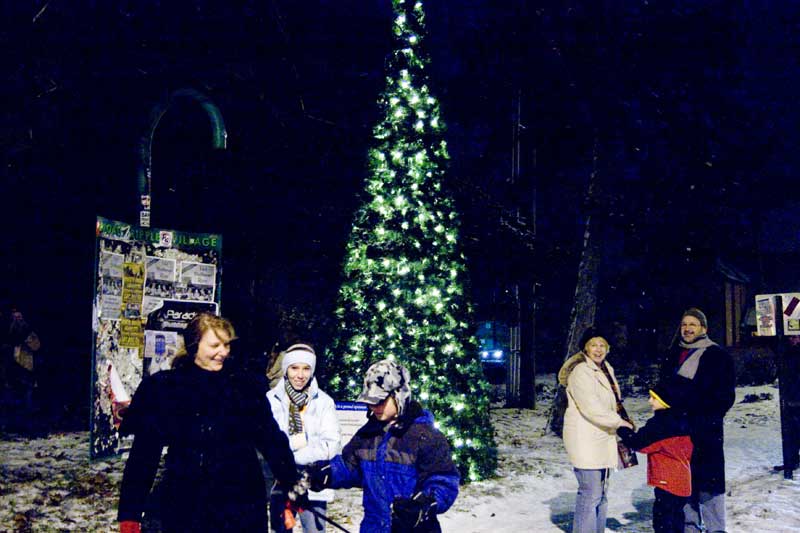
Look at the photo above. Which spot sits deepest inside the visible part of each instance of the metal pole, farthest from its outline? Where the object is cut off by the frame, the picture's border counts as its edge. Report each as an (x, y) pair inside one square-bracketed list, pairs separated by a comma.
[(784, 382), (513, 358)]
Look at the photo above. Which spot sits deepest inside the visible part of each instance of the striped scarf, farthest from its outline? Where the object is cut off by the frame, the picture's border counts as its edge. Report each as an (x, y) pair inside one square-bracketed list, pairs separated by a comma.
[(611, 381), (620, 408), (298, 400)]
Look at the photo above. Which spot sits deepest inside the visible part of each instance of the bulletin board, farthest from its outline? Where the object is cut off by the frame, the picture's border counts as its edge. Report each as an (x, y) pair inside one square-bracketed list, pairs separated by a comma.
[(149, 283), (767, 314)]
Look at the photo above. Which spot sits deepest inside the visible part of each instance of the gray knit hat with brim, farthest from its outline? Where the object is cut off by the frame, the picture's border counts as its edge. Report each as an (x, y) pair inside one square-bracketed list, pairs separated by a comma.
[(698, 314), (383, 379)]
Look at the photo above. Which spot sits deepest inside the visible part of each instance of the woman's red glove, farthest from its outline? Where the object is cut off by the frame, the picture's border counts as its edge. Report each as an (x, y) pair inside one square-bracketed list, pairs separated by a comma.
[(130, 526)]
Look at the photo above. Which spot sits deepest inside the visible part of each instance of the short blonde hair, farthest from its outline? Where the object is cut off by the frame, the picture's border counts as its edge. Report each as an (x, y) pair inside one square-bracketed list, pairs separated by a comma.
[(195, 330)]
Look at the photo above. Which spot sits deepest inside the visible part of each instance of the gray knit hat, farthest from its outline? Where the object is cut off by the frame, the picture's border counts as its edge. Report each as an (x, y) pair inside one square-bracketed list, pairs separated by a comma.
[(383, 379), (698, 314)]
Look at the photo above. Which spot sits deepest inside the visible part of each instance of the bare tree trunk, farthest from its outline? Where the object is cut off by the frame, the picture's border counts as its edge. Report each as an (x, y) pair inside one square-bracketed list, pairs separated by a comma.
[(584, 307)]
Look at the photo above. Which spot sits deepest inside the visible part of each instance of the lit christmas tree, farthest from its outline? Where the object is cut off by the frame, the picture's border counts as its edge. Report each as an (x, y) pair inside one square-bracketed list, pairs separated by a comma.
[(403, 295)]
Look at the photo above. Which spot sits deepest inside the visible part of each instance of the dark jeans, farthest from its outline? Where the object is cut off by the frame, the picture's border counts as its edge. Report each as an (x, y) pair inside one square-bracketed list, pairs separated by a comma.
[(668, 512), (704, 511)]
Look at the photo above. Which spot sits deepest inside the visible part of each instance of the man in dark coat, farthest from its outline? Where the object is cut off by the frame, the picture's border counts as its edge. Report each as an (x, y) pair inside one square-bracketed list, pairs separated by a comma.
[(712, 392)]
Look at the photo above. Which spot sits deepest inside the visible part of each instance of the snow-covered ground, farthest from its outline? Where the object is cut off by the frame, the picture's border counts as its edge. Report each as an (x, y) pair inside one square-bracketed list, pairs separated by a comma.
[(536, 487), (49, 484)]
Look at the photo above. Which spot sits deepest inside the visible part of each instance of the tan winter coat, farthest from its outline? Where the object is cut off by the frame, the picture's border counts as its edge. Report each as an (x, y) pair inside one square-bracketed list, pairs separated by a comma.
[(591, 419)]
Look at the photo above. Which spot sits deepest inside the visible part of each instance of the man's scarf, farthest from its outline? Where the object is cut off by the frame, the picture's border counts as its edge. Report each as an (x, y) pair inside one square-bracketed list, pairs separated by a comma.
[(689, 367), (298, 400)]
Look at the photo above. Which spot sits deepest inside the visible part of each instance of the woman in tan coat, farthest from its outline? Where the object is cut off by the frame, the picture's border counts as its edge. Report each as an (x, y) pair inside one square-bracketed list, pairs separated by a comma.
[(590, 428)]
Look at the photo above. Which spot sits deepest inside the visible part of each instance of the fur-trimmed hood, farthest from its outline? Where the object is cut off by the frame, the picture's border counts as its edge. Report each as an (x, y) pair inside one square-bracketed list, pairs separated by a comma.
[(568, 366)]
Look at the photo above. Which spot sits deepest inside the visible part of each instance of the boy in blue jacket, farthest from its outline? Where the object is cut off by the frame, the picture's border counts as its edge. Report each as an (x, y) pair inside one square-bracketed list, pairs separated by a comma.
[(401, 461)]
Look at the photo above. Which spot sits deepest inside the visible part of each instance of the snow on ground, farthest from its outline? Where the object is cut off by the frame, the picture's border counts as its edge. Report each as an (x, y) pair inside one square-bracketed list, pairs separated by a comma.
[(535, 489), (49, 484)]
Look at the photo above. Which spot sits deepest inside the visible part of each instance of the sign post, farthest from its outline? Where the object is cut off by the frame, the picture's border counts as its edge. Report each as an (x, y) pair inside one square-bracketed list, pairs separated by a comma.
[(778, 315)]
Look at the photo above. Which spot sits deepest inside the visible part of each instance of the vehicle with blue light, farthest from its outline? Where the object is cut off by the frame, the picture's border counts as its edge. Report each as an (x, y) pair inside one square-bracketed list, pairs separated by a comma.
[(493, 342)]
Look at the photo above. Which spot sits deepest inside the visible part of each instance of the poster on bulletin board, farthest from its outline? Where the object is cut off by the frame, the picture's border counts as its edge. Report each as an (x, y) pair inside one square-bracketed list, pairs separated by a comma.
[(352, 416)]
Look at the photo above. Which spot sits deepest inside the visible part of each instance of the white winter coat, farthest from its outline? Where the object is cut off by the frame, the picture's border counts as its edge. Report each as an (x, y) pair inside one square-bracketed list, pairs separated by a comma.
[(591, 419), (321, 425)]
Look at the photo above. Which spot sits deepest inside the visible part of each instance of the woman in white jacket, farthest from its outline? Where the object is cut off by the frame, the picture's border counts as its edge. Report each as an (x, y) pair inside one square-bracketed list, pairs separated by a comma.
[(308, 416), (590, 428)]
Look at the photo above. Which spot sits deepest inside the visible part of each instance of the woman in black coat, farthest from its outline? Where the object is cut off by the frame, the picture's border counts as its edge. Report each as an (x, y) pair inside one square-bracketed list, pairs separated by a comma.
[(212, 420)]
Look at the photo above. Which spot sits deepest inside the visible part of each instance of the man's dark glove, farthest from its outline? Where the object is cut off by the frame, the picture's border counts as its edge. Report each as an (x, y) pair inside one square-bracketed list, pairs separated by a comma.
[(319, 475), (408, 513)]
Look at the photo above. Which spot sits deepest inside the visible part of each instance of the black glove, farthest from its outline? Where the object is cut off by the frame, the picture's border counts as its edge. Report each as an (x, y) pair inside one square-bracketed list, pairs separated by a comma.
[(319, 475), (626, 434), (408, 513), (298, 494)]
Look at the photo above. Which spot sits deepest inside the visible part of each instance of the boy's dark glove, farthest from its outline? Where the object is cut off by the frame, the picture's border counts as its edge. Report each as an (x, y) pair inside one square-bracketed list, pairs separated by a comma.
[(625, 434), (408, 513), (319, 475)]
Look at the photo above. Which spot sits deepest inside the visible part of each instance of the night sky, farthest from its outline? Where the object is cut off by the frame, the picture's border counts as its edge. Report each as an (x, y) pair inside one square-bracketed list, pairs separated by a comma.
[(685, 113)]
